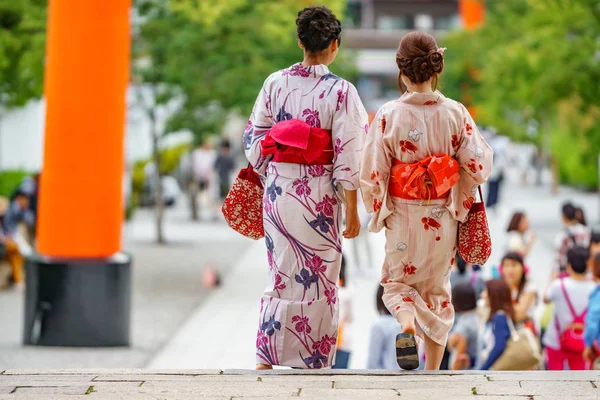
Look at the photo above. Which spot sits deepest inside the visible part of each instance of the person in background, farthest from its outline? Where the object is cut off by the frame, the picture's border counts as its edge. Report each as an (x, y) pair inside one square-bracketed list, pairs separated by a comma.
[(361, 243), (570, 297), (30, 187), (594, 244), (203, 162), (497, 330), (464, 273), (463, 342), (18, 211), (520, 239), (573, 234), (344, 344), (382, 347), (523, 291), (499, 145), (591, 334), (580, 216), (224, 165)]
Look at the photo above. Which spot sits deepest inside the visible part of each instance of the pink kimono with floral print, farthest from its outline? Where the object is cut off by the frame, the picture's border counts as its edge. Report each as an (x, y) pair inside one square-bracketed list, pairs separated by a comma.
[(298, 323), (422, 233)]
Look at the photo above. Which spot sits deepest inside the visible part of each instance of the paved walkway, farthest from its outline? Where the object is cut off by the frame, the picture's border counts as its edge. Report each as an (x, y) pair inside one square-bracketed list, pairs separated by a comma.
[(221, 332), (167, 287), (321, 385)]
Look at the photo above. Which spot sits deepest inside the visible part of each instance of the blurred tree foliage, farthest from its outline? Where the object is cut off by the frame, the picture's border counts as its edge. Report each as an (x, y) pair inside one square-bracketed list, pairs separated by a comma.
[(22, 46), (535, 63), (218, 53)]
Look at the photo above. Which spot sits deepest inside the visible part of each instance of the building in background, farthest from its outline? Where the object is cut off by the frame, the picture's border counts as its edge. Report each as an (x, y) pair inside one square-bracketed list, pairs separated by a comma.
[(374, 28)]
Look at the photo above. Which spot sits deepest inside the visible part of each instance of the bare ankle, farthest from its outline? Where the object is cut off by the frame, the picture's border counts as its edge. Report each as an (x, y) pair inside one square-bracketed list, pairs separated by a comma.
[(263, 367), (407, 322)]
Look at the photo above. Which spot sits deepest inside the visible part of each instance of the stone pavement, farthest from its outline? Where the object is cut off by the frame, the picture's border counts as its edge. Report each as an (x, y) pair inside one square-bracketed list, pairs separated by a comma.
[(167, 287), (321, 385), (221, 332)]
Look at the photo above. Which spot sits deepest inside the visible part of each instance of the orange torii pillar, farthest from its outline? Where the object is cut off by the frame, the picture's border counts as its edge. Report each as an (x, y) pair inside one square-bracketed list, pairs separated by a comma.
[(78, 283), (472, 12)]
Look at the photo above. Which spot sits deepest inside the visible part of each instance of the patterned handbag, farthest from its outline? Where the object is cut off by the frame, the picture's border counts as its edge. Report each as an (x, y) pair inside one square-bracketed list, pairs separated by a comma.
[(474, 239), (243, 206)]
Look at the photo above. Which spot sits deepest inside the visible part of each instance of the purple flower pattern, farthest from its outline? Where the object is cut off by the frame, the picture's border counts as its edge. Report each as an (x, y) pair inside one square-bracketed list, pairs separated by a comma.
[(302, 216)]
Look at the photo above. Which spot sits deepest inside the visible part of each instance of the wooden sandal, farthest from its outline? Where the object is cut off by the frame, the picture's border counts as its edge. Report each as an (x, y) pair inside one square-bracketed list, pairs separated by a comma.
[(406, 351)]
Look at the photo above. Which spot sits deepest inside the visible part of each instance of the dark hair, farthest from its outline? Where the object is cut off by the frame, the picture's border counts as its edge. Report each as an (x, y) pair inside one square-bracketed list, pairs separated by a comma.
[(225, 144), (596, 265), (499, 298), (343, 271), (514, 256), (317, 28), (569, 211), (580, 216), (380, 304), (577, 258), (463, 297), (418, 58), (461, 264), (595, 238), (515, 222)]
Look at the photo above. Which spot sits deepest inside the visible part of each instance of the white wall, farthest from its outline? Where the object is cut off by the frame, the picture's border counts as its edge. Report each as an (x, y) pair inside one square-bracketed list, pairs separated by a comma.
[(22, 135)]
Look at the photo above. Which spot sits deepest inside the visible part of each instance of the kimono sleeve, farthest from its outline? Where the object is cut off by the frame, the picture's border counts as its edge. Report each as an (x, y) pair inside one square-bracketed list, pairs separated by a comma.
[(474, 157), (350, 123), (375, 173), (261, 120)]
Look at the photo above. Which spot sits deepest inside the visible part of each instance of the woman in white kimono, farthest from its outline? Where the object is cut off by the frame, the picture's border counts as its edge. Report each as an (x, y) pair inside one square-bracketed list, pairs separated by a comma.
[(305, 138), (423, 163)]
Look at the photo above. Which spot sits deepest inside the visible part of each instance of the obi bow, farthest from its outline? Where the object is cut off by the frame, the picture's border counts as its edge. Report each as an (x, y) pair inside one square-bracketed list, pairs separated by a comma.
[(430, 178)]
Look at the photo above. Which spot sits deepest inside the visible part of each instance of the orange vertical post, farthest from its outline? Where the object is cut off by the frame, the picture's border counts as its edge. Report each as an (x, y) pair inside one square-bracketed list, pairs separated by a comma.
[(86, 77), (472, 12)]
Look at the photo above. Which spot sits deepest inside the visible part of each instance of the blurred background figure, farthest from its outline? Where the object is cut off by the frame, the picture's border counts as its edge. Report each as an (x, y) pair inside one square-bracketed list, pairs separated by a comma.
[(463, 342), (497, 329), (523, 290), (462, 272), (204, 178), (573, 234), (570, 297), (344, 342), (224, 166), (499, 145), (519, 239), (382, 341), (361, 247)]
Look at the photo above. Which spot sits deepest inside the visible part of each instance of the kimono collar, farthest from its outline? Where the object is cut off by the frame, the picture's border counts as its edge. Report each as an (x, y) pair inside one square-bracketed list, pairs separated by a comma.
[(314, 71), (426, 99)]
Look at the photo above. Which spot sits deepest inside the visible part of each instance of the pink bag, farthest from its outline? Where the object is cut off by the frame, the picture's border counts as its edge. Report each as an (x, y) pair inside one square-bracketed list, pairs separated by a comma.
[(571, 340)]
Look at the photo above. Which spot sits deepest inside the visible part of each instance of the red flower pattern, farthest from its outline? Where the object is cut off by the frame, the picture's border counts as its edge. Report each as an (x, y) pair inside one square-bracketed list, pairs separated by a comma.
[(430, 223), (408, 299), (445, 303), (377, 205), (430, 103), (325, 344), (408, 147), (330, 295), (302, 325), (455, 142), (469, 129), (468, 203), (409, 269), (279, 284), (383, 124)]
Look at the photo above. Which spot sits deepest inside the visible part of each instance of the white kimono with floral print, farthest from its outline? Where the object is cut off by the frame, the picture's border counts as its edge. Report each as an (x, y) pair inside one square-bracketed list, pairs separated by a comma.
[(421, 234), (298, 323)]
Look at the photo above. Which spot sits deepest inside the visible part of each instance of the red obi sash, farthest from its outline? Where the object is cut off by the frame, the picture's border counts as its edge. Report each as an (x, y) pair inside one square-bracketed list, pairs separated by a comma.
[(428, 179), (295, 142)]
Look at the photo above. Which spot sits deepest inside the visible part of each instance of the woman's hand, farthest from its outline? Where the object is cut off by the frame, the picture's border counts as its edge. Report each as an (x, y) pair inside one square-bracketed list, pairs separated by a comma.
[(352, 224), (352, 219)]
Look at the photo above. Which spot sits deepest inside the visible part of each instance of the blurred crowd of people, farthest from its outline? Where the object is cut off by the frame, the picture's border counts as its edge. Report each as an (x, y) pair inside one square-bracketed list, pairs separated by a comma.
[(563, 318), (18, 216)]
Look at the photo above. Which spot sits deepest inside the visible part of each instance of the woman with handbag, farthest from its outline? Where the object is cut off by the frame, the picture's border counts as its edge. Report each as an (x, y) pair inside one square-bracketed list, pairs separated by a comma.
[(497, 331), (422, 167), (305, 139)]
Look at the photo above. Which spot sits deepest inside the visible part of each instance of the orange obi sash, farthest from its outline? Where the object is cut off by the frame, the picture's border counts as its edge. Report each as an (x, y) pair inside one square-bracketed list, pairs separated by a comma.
[(428, 179), (295, 142)]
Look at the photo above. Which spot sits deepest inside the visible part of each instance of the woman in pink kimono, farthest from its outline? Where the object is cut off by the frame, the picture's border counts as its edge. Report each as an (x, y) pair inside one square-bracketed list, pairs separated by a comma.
[(423, 162), (305, 138)]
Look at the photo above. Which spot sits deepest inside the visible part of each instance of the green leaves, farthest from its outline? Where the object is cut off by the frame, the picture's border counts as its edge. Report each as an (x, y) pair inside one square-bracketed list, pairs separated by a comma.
[(532, 57), (218, 53), (22, 46)]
